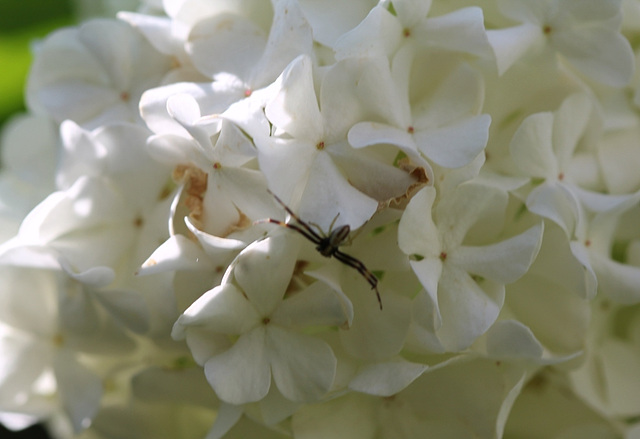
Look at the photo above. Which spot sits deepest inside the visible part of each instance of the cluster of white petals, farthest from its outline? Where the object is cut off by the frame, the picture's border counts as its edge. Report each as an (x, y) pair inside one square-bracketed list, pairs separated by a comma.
[(171, 203)]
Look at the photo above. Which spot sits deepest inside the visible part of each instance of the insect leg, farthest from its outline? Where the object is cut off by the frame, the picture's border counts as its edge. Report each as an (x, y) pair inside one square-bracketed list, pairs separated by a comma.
[(362, 269), (311, 236), (295, 217)]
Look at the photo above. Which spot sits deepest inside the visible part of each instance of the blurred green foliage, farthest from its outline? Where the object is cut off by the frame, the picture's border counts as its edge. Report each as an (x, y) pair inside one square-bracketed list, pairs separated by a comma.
[(21, 23)]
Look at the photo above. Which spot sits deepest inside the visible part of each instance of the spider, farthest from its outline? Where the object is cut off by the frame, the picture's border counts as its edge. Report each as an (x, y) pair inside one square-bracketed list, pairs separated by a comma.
[(327, 244)]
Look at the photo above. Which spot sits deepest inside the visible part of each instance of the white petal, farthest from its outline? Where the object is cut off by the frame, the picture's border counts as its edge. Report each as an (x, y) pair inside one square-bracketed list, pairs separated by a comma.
[(222, 309), (80, 390), (176, 253), (511, 44), (607, 11), (602, 54), (157, 30), (557, 262), (374, 177), (332, 18), (618, 281), (428, 272), (375, 334), (228, 415), (215, 42), (504, 262), (275, 157), (557, 315), (510, 338), (531, 147), (411, 12), (125, 56), (24, 359), (455, 145), (611, 205), (457, 97), (212, 98), (615, 365), (295, 108), (248, 112), (461, 30), (20, 288), (447, 179), (351, 416), (525, 11), (173, 384), (95, 276), (471, 207), (172, 149), (417, 233), (127, 306), (475, 385), (275, 408), (377, 35), (241, 374), (468, 308), (248, 189), (290, 36), (569, 124), (28, 149), (303, 367), (556, 202), (185, 110), (371, 133), (264, 269), (321, 202), (426, 320), (345, 96), (590, 282), (214, 245), (619, 161), (316, 305), (386, 379)]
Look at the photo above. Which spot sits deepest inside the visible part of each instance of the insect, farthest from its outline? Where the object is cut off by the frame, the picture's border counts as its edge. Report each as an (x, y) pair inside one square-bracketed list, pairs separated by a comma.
[(327, 244)]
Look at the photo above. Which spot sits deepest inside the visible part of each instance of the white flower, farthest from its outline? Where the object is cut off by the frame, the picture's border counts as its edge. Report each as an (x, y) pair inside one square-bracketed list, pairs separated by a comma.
[(464, 284), (382, 32), (444, 126), (248, 306), (222, 188), (585, 33), (330, 177), (94, 74)]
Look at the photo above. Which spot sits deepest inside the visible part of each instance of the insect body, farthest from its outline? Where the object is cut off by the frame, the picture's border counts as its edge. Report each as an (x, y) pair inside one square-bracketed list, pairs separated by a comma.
[(327, 244)]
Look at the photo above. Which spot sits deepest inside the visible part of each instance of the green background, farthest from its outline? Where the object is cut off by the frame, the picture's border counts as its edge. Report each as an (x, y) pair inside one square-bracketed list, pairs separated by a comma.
[(23, 22)]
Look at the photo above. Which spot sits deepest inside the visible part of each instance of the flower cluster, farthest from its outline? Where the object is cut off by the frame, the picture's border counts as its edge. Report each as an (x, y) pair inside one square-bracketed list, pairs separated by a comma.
[(484, 156)]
